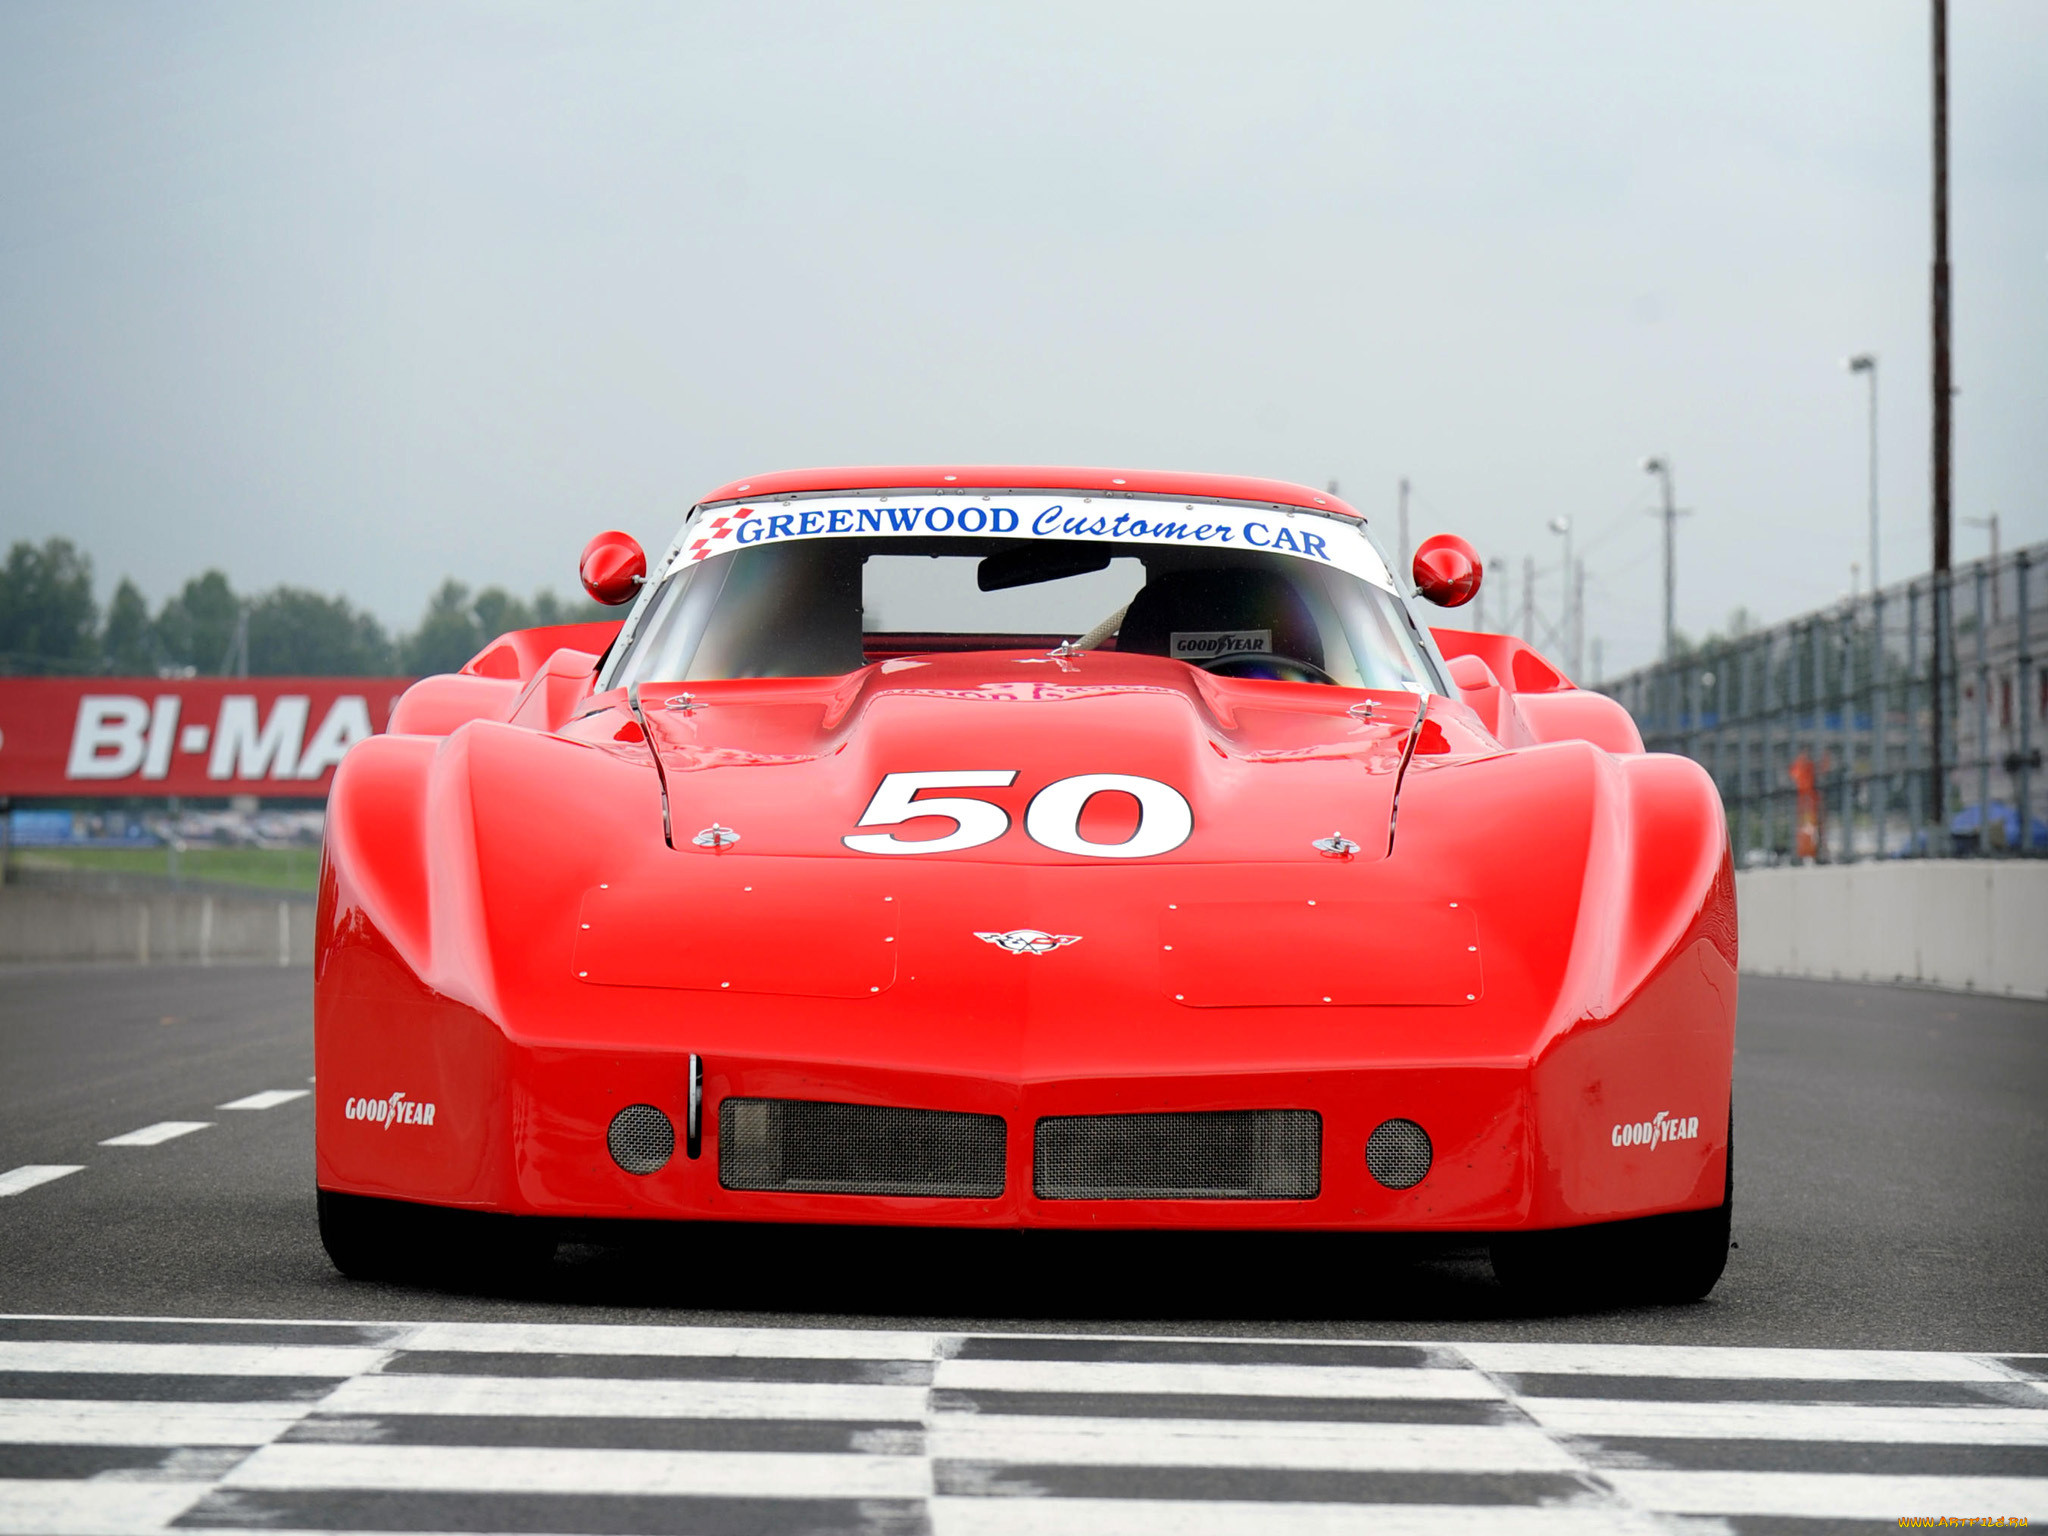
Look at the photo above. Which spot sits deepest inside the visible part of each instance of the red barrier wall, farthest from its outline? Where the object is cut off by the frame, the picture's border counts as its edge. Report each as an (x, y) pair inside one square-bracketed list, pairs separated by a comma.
[(194, 736)]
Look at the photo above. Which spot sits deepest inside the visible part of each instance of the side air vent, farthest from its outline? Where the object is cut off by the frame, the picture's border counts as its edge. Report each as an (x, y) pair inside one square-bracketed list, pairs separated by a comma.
[(1232, 1154)]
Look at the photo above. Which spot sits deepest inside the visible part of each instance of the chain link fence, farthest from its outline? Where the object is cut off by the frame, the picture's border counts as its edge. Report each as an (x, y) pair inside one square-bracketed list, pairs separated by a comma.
[(1821, 731)]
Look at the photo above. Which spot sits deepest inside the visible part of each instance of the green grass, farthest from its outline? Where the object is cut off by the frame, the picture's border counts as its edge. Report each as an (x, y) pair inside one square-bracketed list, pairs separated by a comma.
[(279, 869)]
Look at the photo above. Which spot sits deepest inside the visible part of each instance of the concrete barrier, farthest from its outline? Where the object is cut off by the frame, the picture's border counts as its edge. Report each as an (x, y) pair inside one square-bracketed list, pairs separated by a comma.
[(1976, 925), (40, 923)]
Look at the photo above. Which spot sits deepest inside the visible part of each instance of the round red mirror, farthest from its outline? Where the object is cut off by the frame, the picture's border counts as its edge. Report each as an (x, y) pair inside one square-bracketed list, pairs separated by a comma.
[(613, 568), (1447, 570)]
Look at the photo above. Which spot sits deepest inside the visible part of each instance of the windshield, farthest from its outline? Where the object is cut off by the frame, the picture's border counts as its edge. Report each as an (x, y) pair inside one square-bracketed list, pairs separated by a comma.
[(816, 588)]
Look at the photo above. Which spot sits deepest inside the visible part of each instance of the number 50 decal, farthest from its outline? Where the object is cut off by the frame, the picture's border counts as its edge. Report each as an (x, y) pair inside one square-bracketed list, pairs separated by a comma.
[(1052, 820)]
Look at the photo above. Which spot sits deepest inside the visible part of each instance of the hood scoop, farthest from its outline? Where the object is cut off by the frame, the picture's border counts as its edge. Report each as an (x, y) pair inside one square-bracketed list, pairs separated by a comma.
[(1011, 759)]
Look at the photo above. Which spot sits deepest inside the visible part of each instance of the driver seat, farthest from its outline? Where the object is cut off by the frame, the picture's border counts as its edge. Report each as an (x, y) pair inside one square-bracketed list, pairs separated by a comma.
[(1196, 616)]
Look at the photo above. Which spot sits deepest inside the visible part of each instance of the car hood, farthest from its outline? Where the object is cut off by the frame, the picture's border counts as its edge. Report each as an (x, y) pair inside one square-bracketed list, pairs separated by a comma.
[(1264, 770)]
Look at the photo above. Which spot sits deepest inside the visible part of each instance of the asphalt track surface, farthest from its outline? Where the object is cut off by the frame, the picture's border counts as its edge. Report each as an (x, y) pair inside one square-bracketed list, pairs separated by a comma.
[(1892, 1193)]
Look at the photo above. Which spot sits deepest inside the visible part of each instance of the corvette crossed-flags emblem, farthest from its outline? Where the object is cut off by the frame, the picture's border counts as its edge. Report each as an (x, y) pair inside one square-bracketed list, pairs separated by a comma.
[(1029, 941)]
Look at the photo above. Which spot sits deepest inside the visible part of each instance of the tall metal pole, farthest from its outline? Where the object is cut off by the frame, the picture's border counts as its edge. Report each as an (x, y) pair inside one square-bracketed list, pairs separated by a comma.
[(1661, 468), (1866, 363), (1567, 622), (1943, 405), (1579, 621), (1402, 553)]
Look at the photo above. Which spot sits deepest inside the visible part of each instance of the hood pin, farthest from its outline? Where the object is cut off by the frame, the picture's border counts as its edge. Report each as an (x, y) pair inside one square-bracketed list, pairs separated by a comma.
[(716, 837), (683, 703), (1361, 710), (1335, 846)]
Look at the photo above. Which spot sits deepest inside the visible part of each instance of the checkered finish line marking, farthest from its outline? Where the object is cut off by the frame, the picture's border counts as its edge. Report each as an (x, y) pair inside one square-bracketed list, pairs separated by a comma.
[(150, 1424)]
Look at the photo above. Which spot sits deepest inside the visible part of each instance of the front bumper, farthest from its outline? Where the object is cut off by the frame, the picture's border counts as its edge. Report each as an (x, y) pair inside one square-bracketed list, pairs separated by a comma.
[(424, 1099)]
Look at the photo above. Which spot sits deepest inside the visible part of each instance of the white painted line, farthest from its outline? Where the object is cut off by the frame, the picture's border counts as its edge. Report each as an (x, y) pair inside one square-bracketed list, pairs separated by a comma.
[(1829, 1495), (534, 1469), (1730, 1364), (269, 1098), (153, 1135), (29, 1175), (721, 1343), (72, 1505), (1789, 1421), (1243, 1380), (1295, 1445), (189, 1359), (584, 1397), (1168, 1517), (57, 1421)]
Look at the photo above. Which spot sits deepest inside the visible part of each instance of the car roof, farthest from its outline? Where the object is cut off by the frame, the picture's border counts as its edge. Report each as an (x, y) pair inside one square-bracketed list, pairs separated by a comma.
[(1035, 477)]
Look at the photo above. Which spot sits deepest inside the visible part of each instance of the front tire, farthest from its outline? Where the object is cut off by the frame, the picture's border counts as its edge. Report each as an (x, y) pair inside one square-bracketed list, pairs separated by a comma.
[(1667, 1259), (371, 1239)]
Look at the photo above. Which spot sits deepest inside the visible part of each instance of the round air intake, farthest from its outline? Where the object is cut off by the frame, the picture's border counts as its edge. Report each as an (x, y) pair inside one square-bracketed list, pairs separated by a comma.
[(641, 1138), (1398, 1153)]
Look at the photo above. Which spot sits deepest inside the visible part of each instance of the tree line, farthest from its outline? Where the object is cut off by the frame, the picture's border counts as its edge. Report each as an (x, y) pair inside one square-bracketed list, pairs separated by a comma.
[(52, 625)]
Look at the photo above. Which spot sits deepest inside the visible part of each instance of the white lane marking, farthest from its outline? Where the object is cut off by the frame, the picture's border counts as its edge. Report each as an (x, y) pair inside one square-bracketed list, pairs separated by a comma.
[(1790, 1421), (1228, 1380), (154, 1135), (29, 1175), (584, 1397), (269, 1098), (724, 1343), (1165, 1517), (56, 1421), (69, 1506), (1829, 1495), (534, 1469), (1730, 1364), (189, 1359), (1112, 1442)]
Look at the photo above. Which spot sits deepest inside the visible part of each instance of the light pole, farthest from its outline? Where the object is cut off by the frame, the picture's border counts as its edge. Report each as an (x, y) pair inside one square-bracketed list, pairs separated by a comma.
[(1940, 456), (1402, 554), (1866, 363), (1567, 619), (1661, 467), (1990, 524)]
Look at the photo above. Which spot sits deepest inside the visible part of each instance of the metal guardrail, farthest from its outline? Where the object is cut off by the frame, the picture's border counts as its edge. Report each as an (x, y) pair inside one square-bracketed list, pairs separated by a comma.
[(1820, 731)]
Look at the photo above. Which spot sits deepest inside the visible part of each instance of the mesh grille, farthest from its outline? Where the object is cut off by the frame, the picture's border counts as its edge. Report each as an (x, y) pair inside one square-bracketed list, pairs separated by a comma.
[(1233, 1154), (641, 1138), (1398, 1153), (858, 1149)]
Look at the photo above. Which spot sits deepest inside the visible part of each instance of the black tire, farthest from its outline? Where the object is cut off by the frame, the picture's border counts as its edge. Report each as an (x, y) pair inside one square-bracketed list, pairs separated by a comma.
[(358, 1234), (372, 1239), (1659, 1259)]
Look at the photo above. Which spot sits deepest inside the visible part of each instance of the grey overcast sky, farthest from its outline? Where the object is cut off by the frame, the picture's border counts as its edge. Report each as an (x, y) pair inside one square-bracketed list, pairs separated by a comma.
[(359, 296)]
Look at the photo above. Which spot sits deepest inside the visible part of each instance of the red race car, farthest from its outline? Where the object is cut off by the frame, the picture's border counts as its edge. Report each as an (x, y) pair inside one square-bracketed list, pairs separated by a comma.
[(1000, 847)]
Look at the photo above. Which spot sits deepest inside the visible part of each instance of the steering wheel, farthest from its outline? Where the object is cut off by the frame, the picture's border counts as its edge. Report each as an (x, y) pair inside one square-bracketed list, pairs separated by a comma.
[(1264, 667)]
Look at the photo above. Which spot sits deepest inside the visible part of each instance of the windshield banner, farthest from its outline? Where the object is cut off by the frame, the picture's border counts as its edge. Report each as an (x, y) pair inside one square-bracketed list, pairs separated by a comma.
[(1210, 525), (206, 736)]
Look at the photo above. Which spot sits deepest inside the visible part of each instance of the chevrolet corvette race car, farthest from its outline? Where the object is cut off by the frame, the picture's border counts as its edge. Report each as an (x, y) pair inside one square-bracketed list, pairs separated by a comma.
[(1028, 848)]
